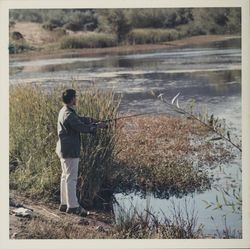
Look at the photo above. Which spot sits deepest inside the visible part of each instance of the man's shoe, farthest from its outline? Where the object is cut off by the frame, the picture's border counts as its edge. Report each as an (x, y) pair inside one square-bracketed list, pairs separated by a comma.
[(78, 210), (63, 208)]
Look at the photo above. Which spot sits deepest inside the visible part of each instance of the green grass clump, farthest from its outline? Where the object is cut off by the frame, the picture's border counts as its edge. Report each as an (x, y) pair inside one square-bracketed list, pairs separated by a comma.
[(16, 47), (149, 35), (33, 136), (89, 40)]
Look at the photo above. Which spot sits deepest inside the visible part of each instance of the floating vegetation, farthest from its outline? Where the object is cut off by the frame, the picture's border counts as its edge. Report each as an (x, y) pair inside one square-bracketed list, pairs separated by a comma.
[(156, 153)]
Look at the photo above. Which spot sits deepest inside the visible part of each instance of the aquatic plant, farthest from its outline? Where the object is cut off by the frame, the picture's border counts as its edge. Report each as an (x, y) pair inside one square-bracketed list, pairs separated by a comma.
[(182, 223), (227, 199)]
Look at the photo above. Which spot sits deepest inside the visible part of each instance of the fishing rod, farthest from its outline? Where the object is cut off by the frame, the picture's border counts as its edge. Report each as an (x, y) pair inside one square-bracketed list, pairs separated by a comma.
[(129, 116), (174, 106)]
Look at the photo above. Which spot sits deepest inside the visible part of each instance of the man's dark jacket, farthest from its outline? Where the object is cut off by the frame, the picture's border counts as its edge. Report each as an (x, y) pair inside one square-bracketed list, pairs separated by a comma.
[(69, 127)]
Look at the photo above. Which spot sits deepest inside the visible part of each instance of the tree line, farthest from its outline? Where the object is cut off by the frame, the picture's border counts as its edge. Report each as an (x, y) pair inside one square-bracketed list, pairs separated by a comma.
[(194, 21)]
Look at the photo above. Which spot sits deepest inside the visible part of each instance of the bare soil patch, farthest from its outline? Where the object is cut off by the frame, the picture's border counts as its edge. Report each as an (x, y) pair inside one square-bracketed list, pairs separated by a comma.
[(35, 34), (47, 222)]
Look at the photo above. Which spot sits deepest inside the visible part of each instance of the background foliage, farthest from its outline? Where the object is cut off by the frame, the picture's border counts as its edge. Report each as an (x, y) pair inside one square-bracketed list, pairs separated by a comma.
[(121, 21)]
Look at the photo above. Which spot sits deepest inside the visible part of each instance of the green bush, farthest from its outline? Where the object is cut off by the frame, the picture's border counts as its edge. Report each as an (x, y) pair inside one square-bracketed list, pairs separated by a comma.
[(16, 47), (49, 26), (60, 32), (73, 26), (143, 36), (33, 137), (52, 24), (89, 40), (192, 30)]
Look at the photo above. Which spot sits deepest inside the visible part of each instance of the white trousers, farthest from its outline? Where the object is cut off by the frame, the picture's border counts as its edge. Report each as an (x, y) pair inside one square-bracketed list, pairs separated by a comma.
[(69, 181)]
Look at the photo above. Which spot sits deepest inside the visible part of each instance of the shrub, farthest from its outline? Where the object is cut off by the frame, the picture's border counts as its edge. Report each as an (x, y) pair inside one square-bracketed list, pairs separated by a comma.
[(52, 24), (73, 26), (60, 32), (192, 29), (33, 136), (49, 26), (81, 20), (16, 47), (89, 40), (15, 35)]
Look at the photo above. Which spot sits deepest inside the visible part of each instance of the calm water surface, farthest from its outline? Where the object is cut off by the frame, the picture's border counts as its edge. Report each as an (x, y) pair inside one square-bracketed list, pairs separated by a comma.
[(210, 74)]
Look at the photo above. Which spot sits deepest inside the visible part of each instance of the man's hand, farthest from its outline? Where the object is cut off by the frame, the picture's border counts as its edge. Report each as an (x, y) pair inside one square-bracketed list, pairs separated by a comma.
[(101, 125)]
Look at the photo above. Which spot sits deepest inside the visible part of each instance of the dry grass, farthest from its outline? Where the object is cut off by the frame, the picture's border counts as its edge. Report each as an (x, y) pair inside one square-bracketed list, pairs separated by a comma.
[(39, 228), (138, 227), (88, 40), (34, 110), (34, 34)]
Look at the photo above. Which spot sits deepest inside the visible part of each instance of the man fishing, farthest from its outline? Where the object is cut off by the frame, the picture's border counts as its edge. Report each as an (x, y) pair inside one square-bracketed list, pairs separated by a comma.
[(69, 127)]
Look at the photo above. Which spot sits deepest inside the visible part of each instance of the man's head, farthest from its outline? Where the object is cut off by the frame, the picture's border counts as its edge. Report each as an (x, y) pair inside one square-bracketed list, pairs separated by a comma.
[(69, 97)]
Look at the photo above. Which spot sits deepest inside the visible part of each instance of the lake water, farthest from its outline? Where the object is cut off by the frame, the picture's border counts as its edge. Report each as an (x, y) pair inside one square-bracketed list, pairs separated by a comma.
[(210, 74)]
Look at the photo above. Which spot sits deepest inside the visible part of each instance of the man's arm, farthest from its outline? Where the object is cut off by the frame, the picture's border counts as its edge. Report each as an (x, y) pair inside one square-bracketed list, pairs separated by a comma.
[(81, 124)]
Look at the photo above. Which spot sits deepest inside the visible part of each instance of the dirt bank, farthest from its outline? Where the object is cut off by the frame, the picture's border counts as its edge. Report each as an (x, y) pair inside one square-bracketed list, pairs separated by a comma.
[(122, 49), (47, 222)]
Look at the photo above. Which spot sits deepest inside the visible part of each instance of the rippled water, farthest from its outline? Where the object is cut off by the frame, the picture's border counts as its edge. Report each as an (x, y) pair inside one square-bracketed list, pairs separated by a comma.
[(210, 74)]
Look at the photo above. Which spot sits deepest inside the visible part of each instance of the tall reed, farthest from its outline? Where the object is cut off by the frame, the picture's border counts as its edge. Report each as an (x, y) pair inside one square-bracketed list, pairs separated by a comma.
[(181, 223), (89, 40), (143, 36), (33, 136)]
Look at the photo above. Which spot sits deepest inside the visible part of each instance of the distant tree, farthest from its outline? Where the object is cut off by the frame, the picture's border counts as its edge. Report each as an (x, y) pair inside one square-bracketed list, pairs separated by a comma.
[(147, 18), (159, 18), (28, 15), (190, 21), (12, 24), (217, 20), (114, 21), (204, 18), (81, 20), (234, 20), (184, 16)]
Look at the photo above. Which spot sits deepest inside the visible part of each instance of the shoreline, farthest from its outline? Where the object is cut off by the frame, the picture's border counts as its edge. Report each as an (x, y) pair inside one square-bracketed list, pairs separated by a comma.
[(194, 40)]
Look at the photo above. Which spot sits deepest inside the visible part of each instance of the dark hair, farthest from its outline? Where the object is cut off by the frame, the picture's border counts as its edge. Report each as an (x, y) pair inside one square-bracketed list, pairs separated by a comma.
[(68, 95)]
